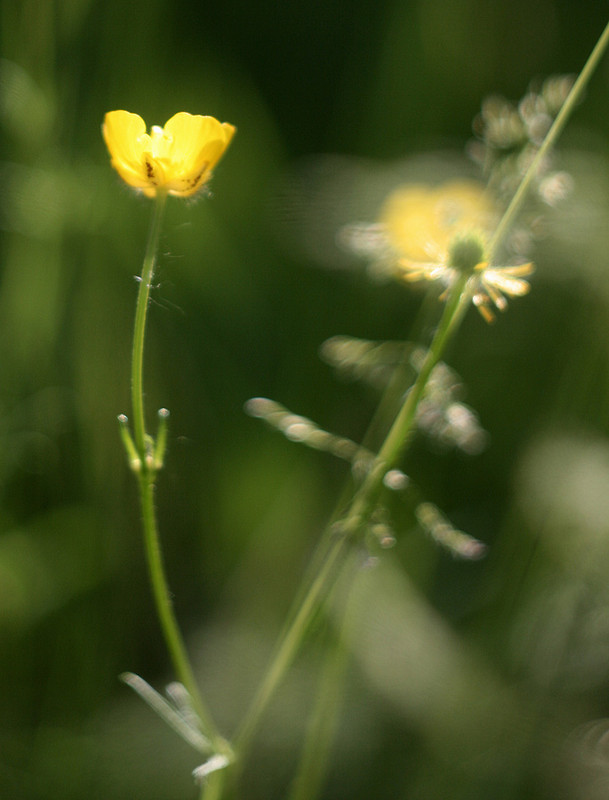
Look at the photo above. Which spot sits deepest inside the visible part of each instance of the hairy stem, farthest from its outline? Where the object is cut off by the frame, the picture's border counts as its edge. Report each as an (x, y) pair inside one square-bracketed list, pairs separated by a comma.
[(139, 329)]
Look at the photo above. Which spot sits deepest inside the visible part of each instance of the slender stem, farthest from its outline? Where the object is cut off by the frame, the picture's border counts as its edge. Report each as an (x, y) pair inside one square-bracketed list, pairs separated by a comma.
[(146, 477), (288, 646), (403, 425), (312, 768), (213, 786), (550, 140), (351, 523), (324, 717), (164, 607), (139, 330)]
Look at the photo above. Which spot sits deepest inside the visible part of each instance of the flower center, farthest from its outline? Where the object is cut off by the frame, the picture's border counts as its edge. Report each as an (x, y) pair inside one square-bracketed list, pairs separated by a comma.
[(161, 142), (466, 252)]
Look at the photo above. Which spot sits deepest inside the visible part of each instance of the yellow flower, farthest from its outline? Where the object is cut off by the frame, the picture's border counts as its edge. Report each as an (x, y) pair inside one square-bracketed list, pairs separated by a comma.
[(432, 230), (420, 222), (177, 159)]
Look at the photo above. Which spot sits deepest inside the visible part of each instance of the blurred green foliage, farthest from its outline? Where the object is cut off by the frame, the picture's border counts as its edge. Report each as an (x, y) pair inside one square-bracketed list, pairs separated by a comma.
[(466, 680)]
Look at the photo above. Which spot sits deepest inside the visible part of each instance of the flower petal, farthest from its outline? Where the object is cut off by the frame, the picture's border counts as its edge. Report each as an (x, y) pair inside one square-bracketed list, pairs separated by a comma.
[(420, 221), (504, 279), (126, 139), (198, 143)]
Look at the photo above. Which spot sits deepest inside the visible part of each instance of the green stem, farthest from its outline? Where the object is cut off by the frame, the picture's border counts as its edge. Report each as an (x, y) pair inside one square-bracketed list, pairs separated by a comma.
[(139, 329), (351, 523), (146, 477), (550, 140), (403, 425), (162, 598), (213, 786), (288, 646), (324, 717)]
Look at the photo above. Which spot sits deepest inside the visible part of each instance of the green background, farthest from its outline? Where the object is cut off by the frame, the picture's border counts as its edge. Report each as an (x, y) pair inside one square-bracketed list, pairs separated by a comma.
[(465, 680)]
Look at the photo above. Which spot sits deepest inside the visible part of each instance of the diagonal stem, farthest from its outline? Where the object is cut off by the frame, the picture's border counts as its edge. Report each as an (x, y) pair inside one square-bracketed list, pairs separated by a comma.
[(353, 521), (550, 140)]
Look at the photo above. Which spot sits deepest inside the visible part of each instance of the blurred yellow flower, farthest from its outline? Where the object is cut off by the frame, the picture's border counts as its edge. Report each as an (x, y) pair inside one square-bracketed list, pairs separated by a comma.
[(177, 159), (436, 232), (420, 221)]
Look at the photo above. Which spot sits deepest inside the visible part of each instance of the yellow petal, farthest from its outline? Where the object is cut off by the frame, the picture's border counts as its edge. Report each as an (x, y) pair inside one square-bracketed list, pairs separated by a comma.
[(481, 304), (125, 137), (521, 269), (420, 221), (512, 286), (198, 143)]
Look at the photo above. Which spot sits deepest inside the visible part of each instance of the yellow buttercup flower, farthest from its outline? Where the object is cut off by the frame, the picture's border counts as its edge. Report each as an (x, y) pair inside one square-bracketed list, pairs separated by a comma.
[(437, 232), (177, 159), (420, 221)]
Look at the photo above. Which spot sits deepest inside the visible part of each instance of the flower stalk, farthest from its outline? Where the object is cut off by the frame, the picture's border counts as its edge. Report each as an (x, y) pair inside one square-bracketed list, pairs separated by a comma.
[(145, 458), (344, 532), (177, 159), (550, 140), (139, 330)]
